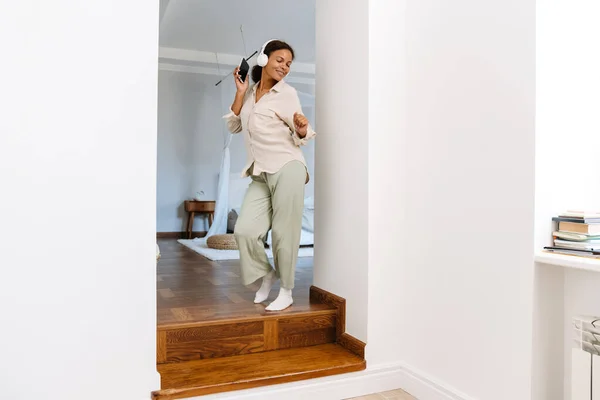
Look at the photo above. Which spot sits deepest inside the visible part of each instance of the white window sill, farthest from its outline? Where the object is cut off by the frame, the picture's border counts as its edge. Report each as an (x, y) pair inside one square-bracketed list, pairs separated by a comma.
[(568, 261)]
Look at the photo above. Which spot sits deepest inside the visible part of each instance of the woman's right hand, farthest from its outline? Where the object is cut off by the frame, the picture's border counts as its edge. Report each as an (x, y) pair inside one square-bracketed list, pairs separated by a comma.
[(241, 87)]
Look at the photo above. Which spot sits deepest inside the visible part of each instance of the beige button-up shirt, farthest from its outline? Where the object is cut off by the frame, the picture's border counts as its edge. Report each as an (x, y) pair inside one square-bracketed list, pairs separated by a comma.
[(268, 125)]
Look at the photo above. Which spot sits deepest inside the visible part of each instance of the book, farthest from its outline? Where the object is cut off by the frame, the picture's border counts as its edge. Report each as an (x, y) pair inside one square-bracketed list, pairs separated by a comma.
[(595, 245), (580, 214), (575, 237), (573, 252), (579, 227), (577, 220)]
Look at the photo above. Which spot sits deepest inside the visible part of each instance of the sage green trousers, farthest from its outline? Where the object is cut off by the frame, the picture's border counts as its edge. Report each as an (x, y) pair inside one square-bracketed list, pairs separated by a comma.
[(272, 202)]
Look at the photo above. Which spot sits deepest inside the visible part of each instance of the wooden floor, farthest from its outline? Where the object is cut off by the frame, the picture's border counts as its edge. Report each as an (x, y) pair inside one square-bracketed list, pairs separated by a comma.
[(216, 375), (212, 338), (397, 394), (192, 288)]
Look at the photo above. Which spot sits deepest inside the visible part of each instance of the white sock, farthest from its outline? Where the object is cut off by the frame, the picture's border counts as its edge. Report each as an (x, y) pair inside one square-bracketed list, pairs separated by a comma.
[(267, 283), (283, 301)]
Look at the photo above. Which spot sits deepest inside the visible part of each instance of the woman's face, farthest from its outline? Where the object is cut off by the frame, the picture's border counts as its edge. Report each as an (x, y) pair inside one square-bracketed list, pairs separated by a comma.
[(279, 64)]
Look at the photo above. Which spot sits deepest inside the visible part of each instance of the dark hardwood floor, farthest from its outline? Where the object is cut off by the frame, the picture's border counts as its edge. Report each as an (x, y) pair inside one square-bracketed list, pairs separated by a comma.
[(193, 289), (212, 338)]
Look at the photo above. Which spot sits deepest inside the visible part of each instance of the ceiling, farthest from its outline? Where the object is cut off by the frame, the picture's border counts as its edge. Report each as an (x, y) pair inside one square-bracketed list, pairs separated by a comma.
[(214, 25)]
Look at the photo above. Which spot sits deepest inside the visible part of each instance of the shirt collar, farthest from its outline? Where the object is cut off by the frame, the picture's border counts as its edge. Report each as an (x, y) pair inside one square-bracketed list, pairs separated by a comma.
[(277, 87)]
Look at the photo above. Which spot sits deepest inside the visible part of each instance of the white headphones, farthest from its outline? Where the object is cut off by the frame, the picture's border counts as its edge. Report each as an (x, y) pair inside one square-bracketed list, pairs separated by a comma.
[(262, 58)]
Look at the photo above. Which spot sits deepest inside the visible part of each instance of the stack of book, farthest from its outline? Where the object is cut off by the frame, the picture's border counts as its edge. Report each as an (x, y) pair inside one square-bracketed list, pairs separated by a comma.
[(577, 233)]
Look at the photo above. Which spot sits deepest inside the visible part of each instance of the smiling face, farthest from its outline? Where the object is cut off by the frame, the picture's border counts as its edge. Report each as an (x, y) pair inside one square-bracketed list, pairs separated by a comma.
[(279, 64)]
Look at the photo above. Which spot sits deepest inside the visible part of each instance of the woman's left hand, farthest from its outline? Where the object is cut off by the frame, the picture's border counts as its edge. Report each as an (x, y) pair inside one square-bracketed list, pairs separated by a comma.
[(300, 124)]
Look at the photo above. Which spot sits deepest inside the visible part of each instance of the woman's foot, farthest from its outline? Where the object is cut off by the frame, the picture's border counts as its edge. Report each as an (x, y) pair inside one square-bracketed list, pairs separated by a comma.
[(265, 288), (283, 301)]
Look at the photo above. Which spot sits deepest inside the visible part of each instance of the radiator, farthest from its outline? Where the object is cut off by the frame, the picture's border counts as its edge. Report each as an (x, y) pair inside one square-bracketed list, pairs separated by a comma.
[(585, 358)]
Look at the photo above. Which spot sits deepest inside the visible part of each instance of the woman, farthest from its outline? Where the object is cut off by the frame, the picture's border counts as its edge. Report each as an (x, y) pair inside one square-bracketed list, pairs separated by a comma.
[(274, 128)]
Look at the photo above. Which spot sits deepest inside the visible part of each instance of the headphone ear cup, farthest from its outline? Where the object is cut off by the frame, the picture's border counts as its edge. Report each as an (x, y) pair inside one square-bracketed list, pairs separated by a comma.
[(262, 60)]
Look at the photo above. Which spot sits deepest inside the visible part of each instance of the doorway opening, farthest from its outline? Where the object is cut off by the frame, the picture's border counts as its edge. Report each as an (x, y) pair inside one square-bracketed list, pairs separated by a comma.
[(207, 319)]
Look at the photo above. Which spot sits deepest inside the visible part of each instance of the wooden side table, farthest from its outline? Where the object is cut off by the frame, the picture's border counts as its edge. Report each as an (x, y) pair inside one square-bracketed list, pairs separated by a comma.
[(201, 207)]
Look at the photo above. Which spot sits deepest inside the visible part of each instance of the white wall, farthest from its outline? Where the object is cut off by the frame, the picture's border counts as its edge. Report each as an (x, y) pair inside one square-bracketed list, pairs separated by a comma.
[(341, 221), (387, 171), (307, 100), (460, 295), (462, 305), (567, 137), (175, 152), (549, 333), (468, 276), (450, 171), (567, 176), (190, 140), (79, 137)]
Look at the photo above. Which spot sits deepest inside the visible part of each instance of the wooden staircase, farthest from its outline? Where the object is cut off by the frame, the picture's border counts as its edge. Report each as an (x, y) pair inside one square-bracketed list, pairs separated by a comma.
[(199, 358)]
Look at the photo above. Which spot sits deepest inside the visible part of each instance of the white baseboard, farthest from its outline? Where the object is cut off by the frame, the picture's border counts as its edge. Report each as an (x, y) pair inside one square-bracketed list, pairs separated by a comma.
[(372, 380), (425, 387)]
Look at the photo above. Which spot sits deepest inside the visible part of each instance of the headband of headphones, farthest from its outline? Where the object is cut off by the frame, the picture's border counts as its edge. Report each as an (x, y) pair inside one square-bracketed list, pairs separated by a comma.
[(262, 58)]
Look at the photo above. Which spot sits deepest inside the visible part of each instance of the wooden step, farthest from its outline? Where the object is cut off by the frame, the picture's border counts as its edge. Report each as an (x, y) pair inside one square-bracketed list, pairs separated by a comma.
[(200, 340), (215, 375)]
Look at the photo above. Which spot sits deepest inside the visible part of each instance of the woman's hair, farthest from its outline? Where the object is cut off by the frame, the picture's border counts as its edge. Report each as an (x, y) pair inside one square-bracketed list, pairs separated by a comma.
[(271, 47)]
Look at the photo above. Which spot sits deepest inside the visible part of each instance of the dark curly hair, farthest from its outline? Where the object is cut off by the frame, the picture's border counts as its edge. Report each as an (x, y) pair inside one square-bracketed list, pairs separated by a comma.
[(271, 47)]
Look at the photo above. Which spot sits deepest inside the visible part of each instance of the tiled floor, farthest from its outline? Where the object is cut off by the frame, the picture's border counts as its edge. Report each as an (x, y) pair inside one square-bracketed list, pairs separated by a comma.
[(391, 395)]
